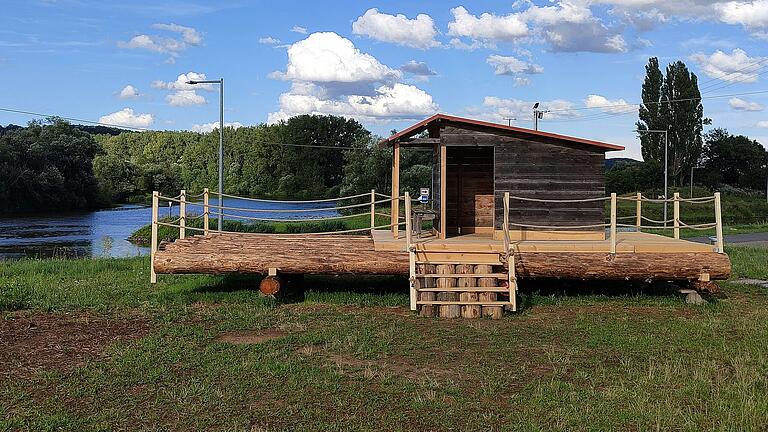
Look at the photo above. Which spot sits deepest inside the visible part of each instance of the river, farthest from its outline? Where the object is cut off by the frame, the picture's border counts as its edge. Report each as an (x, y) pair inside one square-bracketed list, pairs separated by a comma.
[(104, 233)]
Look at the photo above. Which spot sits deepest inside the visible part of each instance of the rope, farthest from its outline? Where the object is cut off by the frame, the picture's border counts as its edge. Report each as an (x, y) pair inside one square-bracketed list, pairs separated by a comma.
[(293, 202), (214, 231), (245, 209), (559, 200), (289, 220), (657, 221), (704, 226), (557, 227)]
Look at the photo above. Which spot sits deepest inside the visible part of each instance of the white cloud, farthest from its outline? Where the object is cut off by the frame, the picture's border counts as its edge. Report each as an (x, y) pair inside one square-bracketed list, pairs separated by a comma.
[(397, 102), (487, 27), (618, 106), (172, 46), (417, 68), (330, 76), (750, 14), (126, 117), (188, 34), (419, 32), (328, 57), (521, 81), (185, 98), (299, 29), (515, 108), (736, 66), (762, 124), (269, 40), (129, 92), (210, 127), (740, 104), (509, 65)]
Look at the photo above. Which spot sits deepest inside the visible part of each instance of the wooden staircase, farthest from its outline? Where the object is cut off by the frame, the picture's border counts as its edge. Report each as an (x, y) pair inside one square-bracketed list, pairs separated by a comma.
[(461, 283)]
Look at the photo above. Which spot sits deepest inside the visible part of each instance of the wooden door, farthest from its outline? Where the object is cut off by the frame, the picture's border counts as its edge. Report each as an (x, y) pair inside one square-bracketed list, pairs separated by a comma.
[(469, 190)]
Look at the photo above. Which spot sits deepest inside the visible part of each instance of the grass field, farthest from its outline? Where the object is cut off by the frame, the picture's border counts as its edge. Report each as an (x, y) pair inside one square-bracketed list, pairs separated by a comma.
[(90, 345)]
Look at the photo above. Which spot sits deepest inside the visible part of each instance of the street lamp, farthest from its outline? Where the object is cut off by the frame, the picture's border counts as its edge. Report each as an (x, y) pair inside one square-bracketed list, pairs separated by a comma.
[(220, 82), (666, 177)]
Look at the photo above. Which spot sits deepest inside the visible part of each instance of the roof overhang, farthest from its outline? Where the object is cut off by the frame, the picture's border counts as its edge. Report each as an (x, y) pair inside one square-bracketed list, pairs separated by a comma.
[(499, 128)]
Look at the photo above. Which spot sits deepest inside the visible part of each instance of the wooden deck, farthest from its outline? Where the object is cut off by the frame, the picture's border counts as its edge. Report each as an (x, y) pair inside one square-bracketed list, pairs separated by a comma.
[(627, 242)]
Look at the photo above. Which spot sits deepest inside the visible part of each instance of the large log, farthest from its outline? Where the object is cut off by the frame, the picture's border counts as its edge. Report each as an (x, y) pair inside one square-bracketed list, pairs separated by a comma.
[(239, 253)]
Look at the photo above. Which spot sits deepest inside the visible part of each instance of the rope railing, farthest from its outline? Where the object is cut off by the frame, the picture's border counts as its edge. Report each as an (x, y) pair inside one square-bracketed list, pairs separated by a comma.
[(255, 210), (292, 201)]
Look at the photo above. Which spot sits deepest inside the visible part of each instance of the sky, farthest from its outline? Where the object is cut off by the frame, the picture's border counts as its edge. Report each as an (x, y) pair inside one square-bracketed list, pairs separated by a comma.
[(387, 64)]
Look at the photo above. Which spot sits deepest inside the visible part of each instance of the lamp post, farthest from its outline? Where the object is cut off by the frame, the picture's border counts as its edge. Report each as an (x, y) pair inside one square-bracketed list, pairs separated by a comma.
[(666, 177), (220, 82)]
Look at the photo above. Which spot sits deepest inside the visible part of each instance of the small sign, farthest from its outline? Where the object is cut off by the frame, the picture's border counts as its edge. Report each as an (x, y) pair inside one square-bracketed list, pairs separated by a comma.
[(424, 195)]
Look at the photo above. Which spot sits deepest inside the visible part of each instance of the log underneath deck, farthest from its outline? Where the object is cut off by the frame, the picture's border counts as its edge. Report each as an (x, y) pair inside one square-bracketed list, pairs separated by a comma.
[(344, 254)]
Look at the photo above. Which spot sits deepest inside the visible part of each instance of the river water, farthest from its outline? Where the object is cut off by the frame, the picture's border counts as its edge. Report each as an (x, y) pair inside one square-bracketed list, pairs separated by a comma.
[(104, 233)]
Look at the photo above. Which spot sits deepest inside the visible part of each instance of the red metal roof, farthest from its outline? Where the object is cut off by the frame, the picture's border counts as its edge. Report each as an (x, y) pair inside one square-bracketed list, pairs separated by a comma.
[(422, 125)]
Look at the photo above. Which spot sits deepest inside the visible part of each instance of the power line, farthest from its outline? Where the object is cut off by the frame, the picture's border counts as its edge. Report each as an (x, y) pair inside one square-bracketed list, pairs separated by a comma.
[(72, 119)]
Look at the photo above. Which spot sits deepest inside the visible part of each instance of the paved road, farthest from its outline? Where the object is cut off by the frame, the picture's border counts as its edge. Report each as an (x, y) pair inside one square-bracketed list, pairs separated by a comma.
[(746, 239)]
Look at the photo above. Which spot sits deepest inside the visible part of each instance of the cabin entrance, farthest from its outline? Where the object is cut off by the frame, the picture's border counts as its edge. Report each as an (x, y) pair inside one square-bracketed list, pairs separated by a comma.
[(469, 190)]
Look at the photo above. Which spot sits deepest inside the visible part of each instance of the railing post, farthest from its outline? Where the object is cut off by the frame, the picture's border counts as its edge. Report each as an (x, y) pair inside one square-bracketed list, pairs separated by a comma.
[(153, 244), (639, 211), (373, 209), (206, 211), (411, 253), (676, 213), (183, 214), (718, 224), (506, 222), (613, 222)]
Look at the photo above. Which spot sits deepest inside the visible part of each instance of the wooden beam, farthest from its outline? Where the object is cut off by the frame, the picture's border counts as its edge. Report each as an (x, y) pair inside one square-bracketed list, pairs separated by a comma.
[(206, 211), (153, 245), (421, 141), (395, 218), (718, 224), (676, 217), (443, 181), (639, 211)]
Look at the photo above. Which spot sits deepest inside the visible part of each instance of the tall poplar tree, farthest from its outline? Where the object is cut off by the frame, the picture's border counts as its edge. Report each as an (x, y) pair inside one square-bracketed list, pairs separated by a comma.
[(671, 102)]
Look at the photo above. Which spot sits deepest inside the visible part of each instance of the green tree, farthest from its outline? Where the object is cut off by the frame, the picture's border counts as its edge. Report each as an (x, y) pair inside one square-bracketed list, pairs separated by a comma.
[(672, 103), (734, 160)]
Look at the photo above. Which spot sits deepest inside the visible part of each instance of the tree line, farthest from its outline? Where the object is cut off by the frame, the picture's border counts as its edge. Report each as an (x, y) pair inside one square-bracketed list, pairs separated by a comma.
[(53, 165)]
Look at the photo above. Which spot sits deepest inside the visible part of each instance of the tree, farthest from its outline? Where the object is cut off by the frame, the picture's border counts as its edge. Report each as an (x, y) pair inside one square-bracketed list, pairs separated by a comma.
[(734, 160), (672, 103)]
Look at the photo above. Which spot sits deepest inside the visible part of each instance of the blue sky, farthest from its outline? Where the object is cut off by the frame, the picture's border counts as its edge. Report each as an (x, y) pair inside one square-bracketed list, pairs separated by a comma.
[(387, 64)]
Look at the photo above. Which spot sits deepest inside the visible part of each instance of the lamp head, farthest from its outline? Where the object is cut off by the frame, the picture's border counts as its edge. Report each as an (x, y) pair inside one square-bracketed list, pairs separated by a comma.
[(536, 105)]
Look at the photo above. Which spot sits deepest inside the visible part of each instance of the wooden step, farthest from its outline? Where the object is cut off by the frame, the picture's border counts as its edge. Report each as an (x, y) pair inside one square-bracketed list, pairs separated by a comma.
[(463, 275), (466, 289), (474, 258), (464, 303)]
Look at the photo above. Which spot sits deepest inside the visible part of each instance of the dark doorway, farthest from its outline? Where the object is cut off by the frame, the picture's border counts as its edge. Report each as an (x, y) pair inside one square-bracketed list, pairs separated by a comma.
[(469, 190)]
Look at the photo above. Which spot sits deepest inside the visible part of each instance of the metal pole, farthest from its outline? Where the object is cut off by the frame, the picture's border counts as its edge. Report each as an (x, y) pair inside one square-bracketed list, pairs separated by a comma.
[(691, 182), (535, 120), (666, 176), (221, 153)]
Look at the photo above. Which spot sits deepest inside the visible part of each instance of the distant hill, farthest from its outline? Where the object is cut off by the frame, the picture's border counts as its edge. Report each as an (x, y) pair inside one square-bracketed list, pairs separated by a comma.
[(609, 163)]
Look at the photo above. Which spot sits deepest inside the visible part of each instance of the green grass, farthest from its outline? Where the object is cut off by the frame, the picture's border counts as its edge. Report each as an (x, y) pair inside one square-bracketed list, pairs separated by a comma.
[(353, 358)]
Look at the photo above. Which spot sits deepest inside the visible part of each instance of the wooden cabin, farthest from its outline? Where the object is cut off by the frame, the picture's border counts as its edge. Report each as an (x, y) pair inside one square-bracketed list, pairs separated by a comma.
[(476, 162)]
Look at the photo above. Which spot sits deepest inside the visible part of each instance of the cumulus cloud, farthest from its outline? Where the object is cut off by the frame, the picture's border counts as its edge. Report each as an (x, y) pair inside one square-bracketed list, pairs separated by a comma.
[(509, 65), (618, 106), (299, 29), (497, 109), (129, 92), (736, 66), (126, 117), (418, 68), (740, 104), (185, 94), (487, 27), (329, 75), (170, 45), (762, 124), (750, 14), (269, 40), (210, 127), (419, 32)]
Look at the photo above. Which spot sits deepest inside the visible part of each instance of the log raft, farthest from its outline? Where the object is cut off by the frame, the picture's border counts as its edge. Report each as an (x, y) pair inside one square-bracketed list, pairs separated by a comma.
[(219, 253)]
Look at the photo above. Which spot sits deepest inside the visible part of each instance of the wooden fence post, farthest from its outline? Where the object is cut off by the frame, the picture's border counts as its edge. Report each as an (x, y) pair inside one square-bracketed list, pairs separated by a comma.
[(183, 214), (639, 211), (676, 213), (718, 224), (373, 209), (411, 252), (506, 222), (153, 244), (613, 222), (206, 211)]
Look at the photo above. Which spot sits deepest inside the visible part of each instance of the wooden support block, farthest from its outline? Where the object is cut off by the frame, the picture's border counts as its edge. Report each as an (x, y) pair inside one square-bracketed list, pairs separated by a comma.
[(692, 296), (270, 285)]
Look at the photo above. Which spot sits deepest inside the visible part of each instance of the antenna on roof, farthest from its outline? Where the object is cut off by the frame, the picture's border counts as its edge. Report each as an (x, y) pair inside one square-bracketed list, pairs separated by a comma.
[(509, 120), (537, 115)]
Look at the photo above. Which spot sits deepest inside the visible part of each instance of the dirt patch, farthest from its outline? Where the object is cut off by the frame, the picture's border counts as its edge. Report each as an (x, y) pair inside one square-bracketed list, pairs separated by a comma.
[(36, 342), (250, 337)]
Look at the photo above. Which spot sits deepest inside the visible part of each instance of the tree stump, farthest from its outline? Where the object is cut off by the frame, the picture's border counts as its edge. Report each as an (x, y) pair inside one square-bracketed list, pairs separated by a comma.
[(467, 311), (426, 310), (270, 286), (447, 311), (493, 312)]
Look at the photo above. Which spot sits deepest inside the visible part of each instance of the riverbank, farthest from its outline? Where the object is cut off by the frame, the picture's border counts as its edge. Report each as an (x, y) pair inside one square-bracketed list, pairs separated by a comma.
[(90, 344)]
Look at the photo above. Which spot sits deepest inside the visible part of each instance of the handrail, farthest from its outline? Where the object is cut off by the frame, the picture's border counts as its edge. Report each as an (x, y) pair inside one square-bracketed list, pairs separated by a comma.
[(543, 200), (288, 220), (292, 201)]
